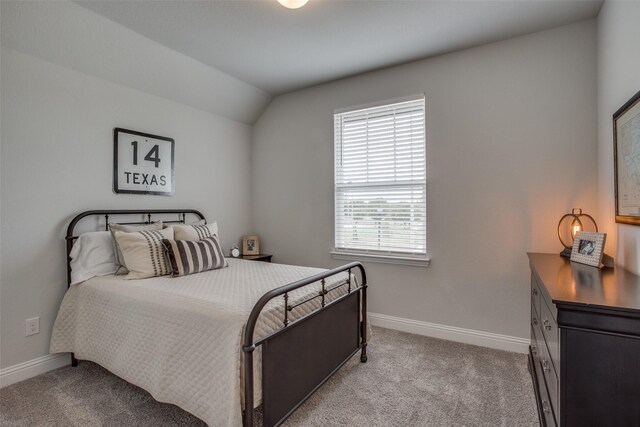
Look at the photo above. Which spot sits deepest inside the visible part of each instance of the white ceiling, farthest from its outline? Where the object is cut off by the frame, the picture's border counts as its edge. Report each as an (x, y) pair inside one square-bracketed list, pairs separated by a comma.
[(280, 50)]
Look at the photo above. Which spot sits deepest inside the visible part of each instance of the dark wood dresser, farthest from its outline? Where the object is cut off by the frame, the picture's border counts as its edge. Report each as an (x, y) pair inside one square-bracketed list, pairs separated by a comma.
[(584, 356)]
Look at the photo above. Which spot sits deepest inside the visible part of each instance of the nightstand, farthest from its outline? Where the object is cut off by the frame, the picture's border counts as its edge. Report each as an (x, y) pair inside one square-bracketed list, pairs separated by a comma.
[(259, 257)]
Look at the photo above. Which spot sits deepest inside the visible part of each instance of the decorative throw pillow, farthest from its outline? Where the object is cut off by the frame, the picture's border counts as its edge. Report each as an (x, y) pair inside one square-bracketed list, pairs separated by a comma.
[(143, 252), (113, 227), (194, 231), (188, 256)]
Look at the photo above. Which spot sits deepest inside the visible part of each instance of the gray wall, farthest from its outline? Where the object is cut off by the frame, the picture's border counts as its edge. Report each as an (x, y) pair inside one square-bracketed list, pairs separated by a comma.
[(57, 159), (511, 147), (618, 80)]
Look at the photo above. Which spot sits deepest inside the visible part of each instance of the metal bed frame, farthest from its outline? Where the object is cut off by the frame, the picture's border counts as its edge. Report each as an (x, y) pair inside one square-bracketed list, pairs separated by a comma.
[(301, 356)]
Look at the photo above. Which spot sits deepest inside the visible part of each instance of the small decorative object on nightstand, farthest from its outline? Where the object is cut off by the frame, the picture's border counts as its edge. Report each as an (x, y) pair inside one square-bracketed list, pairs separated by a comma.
[(250, 245), (235, 251), (259, 257)]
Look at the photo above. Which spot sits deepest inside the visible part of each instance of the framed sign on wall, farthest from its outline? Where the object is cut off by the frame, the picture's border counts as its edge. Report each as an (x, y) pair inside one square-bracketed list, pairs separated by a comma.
[(142, 163), (626, 161)]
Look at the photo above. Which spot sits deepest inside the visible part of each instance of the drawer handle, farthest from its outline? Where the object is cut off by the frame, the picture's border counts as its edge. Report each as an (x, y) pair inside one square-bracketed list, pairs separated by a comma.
[(534, 292), (545, 406), (534, 350), (545, 365), (534, 321), (547, 324)]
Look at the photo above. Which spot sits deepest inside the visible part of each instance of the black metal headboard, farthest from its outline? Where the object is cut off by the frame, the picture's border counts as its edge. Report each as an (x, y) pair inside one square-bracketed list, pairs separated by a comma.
[(149, 213)]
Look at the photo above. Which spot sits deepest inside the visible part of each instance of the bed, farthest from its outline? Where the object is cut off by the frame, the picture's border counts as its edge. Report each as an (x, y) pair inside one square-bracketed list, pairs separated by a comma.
[(217, 342)]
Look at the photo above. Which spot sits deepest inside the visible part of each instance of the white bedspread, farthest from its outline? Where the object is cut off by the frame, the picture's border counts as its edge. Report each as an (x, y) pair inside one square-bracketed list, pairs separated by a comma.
[(179, 338)]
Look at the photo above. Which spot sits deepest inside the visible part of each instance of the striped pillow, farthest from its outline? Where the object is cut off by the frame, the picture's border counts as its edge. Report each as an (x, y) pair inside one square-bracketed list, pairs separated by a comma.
[(113, 227), (143, 252), (188, 257)]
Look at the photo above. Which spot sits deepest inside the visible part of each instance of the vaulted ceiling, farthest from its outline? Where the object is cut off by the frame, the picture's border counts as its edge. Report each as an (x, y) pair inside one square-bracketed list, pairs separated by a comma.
[(280, 50), (231, 57)]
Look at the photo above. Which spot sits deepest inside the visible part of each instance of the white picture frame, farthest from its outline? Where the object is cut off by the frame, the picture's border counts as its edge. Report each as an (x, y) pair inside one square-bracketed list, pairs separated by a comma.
[(588, 248)]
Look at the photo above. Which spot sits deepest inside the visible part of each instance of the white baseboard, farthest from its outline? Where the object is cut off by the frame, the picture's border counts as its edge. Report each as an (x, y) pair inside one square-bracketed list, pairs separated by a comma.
[(40, 365), (32, 368), (451, 333)]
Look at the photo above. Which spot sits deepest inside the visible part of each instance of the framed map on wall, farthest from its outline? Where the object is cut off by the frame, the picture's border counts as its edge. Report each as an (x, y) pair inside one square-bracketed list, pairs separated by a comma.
[(142, 163), (626, 158)]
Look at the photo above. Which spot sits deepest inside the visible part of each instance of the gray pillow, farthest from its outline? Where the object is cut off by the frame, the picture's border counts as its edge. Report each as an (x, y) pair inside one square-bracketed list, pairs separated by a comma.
[(121, 267), (189, 257)]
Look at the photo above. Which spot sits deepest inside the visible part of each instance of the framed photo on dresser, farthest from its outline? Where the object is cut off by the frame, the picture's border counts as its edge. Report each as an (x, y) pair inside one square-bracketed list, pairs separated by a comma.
[(588, 248)]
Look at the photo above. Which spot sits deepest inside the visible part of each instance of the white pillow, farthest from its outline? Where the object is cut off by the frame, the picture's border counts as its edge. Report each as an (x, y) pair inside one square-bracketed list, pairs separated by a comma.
[(194, 232), (92, 255), (144, 253)]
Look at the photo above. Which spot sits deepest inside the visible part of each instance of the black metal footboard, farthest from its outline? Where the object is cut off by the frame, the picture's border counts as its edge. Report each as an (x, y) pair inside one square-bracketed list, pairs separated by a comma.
[(306, 352)]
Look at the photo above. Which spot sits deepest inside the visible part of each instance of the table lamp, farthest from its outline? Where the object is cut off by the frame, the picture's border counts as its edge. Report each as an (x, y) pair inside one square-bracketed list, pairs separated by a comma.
[(571, 224)]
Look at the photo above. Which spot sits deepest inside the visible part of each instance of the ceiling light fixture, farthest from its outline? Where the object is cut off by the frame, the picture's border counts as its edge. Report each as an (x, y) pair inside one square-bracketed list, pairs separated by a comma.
[(293, 4)]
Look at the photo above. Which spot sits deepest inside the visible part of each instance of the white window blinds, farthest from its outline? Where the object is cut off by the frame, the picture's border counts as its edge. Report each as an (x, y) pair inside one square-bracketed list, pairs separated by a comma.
[(380, 180)]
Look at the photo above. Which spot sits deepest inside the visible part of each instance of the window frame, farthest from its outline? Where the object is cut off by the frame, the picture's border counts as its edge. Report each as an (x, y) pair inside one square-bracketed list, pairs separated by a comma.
[(390, 257)]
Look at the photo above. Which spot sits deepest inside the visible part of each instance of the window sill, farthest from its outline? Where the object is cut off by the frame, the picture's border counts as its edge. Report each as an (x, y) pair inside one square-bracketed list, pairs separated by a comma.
[(383, 259)]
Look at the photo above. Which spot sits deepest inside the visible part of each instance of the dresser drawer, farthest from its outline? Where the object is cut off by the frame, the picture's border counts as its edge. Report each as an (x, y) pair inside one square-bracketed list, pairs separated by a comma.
[(535, 294), (536, 323), (550, 378), (535, 346), (537, 339), (551, 334), (547, 409)]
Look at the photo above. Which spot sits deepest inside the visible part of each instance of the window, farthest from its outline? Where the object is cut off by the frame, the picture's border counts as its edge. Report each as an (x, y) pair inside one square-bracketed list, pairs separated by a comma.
[(380, 181)]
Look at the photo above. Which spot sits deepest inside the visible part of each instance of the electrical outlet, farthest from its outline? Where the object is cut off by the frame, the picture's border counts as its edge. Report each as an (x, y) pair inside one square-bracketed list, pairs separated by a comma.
[(33, 326)]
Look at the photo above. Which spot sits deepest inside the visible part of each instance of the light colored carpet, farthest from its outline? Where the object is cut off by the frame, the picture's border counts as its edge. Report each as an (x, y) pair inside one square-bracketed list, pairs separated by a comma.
[(409, 380)]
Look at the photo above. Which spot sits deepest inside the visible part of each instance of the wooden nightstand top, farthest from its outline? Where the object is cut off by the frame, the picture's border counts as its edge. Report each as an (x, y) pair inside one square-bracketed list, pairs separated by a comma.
[(259, 257)]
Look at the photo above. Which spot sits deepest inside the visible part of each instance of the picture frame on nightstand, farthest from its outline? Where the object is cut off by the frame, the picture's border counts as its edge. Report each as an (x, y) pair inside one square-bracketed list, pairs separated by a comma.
[(250, 245)]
